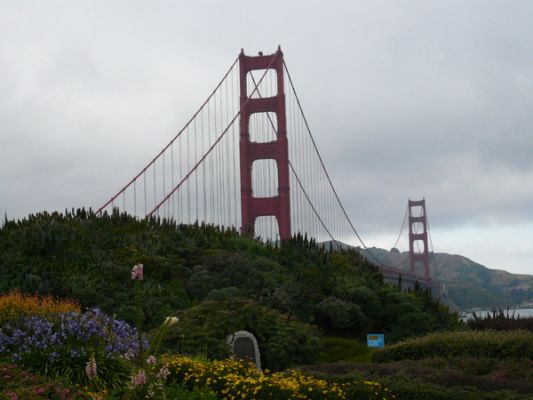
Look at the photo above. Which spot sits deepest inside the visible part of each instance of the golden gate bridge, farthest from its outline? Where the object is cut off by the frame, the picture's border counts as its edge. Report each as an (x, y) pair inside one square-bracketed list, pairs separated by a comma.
[(247, 160)]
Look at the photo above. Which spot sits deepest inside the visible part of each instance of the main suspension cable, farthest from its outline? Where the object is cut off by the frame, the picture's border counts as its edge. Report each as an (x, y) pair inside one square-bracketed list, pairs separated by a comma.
[(326, 172), (201, 160)]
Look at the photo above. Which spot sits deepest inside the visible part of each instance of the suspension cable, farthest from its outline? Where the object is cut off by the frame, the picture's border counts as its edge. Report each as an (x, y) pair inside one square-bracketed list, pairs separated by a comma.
[(401, 229), (326, 172), (296, 175), (112, 199), (186, 177)]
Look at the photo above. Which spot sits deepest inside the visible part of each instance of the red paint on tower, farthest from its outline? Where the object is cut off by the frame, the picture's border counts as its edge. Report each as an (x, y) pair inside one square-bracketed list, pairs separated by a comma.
[(277, 206)]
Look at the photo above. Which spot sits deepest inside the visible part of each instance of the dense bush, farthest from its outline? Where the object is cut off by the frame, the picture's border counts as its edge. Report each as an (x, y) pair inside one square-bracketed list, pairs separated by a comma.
[(79, 255), (491, 344), (282, 341)]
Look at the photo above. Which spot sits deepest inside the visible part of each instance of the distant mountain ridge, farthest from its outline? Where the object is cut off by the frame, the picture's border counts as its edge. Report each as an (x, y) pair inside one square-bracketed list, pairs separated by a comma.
[(469, 285)]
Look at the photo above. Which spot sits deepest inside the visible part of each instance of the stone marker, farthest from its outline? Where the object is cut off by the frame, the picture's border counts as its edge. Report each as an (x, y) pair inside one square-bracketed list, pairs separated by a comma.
[(243, 345)]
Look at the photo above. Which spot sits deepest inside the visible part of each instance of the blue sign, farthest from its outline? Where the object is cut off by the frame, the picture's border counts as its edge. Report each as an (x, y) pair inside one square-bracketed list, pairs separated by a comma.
[(375, 340)]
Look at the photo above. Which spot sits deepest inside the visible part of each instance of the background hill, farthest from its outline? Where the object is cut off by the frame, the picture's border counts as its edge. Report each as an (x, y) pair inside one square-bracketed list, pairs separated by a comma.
[(469, 285)]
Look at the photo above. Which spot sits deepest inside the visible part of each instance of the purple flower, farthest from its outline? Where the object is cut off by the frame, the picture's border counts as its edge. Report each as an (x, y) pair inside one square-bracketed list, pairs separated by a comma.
[(137, 272)]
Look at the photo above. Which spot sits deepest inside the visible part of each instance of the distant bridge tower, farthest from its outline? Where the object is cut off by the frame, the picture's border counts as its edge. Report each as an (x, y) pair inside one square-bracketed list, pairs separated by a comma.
[(418, 233), (279, 205)]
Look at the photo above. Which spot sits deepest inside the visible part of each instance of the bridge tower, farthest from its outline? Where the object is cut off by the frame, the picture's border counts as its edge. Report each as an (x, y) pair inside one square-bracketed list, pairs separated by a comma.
[(418, 232), (279, 205)]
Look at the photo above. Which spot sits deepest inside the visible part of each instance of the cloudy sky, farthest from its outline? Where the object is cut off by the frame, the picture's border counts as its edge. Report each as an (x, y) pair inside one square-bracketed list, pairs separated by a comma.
[(406, 99)]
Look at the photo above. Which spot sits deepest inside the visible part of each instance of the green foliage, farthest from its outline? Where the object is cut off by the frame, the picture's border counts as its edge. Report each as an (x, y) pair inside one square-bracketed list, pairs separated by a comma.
[(15, 383), (493, 344), (343, 349), (282, 341), (179, 392), (88, 258), (440, 378)]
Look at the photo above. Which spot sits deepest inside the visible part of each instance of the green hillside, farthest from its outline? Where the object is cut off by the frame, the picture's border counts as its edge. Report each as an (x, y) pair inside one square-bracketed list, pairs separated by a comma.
[(214, 280), (469, 285)]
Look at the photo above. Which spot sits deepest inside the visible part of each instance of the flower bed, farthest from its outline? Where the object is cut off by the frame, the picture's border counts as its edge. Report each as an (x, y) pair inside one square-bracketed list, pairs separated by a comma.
[(17, 305), (67, 344), (233, 379)]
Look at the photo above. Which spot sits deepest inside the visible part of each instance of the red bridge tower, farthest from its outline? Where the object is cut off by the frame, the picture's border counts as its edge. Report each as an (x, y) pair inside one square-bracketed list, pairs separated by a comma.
[(277, 206)]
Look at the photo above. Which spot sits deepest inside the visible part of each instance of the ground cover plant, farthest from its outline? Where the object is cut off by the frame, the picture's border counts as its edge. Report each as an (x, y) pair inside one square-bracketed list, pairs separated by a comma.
[(16, 383), (234, 379), (450, 365), (439, 378), (484, 344)]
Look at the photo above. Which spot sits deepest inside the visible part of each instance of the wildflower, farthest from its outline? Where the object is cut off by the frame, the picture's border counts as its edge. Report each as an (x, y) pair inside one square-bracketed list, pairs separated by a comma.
[(140, 378), (90, 368), (151, 360), (137, 272), (163, 373), (129, 355)]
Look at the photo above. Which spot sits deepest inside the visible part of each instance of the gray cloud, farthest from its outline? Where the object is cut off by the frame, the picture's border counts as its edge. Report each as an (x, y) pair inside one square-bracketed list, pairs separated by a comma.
[(406, 99)]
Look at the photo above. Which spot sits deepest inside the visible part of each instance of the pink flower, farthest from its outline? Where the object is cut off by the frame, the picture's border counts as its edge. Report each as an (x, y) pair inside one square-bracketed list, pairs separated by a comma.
[(140, 378), (12, 396), (90, 368), (151, 360), (39, 390), (137, 272)]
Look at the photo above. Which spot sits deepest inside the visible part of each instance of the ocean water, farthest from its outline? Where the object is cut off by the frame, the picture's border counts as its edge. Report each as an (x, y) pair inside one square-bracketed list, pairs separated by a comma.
[(523, 312)]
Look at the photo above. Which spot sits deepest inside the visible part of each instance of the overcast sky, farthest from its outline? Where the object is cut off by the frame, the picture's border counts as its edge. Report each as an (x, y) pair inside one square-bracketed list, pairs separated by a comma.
[(406, 99)]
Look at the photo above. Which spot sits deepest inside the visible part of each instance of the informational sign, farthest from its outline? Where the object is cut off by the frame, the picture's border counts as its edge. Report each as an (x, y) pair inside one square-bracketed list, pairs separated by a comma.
[(375, 340)]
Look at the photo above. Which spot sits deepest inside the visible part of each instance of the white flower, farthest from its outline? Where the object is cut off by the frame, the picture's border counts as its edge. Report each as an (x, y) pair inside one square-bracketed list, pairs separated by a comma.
[(171, 320), (151, 360)]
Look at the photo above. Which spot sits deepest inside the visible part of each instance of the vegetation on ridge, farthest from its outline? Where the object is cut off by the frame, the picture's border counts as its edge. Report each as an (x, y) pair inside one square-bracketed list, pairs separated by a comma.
[(79, 255)]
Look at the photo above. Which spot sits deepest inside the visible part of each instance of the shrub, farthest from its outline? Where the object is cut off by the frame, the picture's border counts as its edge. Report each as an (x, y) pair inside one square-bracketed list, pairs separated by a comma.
[(17, 305), (16, 383), (490, 344), (282, 341), (501, 320)]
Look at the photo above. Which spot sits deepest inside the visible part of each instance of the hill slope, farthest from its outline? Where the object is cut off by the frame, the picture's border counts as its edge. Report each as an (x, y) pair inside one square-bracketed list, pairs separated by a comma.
[(208, 273), (469, 285)]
